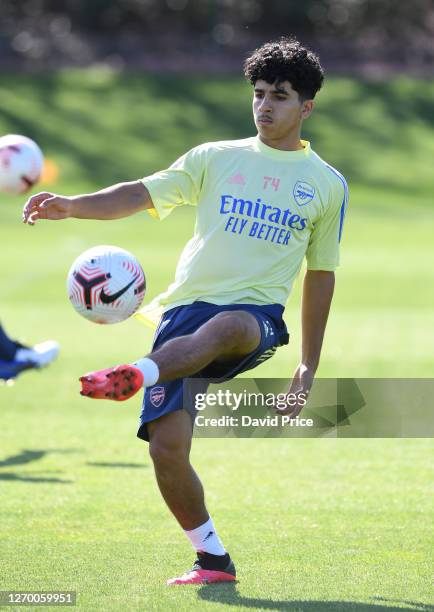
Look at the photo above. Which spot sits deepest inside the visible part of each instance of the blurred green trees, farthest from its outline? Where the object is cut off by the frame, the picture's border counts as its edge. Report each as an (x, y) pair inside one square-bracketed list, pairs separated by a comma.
[(348, 16), (383, 30)]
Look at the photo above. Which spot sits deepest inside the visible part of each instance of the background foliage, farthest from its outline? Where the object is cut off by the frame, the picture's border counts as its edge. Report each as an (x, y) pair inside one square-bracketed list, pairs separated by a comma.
[(217, 33)]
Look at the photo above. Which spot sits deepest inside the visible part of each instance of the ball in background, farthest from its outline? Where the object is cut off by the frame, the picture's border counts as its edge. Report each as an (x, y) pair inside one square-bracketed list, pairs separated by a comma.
[(21, 163), (106, 284)]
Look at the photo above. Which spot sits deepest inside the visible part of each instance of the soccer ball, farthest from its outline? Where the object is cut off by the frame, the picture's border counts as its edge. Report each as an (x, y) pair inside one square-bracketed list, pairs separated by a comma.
[(106, 284), (21, 163)]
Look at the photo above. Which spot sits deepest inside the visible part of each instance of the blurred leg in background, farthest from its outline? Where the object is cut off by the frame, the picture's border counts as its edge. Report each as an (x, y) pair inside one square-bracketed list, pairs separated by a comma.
[(16, 357)]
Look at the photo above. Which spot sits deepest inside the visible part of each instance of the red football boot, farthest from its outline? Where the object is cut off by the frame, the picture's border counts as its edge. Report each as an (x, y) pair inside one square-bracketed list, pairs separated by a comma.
[(118, 383), (200, 574)]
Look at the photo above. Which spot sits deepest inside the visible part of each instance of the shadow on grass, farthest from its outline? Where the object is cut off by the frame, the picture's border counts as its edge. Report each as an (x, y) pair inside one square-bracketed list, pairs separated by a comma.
[(227, 594), (415, 604), (27, 456), (117, 465), (10, 476)]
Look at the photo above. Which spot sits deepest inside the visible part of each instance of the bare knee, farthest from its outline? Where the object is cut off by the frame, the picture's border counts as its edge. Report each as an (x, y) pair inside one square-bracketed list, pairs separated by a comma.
[(237, 329), (232, 326), (170, 439), (168, 455)]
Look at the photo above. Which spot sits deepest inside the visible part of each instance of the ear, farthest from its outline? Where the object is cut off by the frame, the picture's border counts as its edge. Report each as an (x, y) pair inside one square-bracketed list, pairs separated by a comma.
[(306, 108)]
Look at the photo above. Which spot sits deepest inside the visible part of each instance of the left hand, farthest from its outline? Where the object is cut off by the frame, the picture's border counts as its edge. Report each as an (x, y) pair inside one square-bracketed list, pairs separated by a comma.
[(300, 387)]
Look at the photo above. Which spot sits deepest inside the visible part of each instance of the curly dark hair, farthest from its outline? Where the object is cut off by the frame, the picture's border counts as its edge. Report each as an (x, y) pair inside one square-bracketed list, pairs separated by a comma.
[(286, 60)]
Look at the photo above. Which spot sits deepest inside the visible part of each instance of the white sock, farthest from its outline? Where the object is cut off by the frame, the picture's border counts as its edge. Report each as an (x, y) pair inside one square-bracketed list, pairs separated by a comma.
[(205, 539), (149, 369)]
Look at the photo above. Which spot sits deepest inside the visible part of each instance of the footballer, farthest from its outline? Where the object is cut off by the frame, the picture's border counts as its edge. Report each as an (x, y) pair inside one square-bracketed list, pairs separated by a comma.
[(263, 204)]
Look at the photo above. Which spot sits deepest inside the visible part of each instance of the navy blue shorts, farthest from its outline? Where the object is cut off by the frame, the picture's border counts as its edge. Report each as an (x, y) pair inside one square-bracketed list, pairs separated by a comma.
[(163, 398)]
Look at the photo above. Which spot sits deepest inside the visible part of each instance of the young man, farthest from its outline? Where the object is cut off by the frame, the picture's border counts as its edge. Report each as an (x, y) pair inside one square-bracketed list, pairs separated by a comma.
[(263, 203)]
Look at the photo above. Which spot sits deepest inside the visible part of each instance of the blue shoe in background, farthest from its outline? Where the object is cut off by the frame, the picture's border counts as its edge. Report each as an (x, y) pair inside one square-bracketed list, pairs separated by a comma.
[(11, 369)]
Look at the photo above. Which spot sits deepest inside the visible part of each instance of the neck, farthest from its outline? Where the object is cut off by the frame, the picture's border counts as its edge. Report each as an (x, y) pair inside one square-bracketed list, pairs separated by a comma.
[(287, 143)]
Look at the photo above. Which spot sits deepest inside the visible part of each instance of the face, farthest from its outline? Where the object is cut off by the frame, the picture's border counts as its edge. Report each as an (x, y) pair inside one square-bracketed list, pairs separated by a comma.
[(278, 110)]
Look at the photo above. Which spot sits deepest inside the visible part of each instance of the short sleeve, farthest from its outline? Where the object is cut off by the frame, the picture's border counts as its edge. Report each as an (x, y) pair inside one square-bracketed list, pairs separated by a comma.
[(323, 250), (180, 184)]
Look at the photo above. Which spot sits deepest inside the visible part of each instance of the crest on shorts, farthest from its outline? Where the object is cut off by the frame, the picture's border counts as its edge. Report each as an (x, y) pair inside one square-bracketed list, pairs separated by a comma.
[(157, 396), (303, 193)]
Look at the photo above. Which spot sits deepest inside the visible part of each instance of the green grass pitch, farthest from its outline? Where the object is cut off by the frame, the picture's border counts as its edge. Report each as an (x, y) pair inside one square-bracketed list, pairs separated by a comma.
[(313, 525)]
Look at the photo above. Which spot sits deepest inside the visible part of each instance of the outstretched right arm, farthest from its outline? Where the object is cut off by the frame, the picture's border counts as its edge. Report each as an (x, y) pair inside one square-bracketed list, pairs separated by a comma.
[(121, 200)]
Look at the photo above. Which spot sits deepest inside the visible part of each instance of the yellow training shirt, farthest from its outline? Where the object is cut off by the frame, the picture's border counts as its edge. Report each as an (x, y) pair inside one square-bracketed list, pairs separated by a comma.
[(259, 212)]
